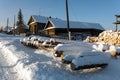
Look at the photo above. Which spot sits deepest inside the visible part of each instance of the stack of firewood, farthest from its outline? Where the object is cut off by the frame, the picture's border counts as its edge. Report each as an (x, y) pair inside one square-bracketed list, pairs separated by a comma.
[(91, 39), (108, 37)]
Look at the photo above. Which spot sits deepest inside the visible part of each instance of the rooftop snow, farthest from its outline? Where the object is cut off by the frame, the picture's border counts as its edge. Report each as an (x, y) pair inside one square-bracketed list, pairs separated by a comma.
[(58, 23), (42, 19), (39, 18)]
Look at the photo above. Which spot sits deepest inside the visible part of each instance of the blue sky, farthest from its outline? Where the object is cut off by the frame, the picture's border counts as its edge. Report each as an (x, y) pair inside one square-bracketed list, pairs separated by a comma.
[(98, 11)]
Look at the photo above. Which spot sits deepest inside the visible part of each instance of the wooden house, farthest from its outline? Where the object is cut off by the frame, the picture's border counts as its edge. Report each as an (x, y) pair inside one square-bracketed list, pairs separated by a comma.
[(57, 27), (78, 29), (37, 23)]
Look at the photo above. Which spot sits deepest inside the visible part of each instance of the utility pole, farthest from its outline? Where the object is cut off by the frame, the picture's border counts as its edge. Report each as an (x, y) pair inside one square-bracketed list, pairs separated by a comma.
[(14, 26), (7, 23), (68, 26)]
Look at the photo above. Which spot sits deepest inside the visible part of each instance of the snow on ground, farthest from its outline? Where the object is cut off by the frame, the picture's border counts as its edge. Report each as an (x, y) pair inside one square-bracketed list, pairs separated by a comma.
[(18, 62)]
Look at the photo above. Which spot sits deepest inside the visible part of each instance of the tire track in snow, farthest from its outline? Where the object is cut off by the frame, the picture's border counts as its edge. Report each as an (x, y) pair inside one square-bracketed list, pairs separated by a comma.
[(6, 72)]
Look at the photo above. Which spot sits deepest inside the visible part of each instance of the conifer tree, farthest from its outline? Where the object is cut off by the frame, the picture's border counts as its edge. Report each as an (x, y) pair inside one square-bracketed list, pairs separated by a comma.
[(20, 23)]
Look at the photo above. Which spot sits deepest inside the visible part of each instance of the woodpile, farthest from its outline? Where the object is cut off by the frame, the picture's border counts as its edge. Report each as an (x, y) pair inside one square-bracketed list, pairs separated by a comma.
[(36, 42), (91, 39), (108, 37)]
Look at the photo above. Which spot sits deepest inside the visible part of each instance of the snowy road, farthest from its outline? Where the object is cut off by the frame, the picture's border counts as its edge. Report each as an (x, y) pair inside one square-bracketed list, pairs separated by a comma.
[(6, 70)]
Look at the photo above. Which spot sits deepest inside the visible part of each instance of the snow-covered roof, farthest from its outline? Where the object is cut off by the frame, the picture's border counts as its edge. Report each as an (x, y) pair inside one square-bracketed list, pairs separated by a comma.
[(58, 23), (41, 19)]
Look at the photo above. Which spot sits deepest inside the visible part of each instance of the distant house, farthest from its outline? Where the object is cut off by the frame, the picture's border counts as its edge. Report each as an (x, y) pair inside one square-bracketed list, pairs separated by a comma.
[(37, 23), (78, 29), (7, 29), (19, 30)]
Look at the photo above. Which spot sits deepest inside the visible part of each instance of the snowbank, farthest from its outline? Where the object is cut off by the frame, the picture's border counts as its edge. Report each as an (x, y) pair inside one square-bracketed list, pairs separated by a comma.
[(24, 73)]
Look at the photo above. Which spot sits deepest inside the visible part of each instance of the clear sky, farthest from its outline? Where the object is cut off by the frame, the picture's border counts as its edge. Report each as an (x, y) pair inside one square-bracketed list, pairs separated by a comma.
[(98, 11)]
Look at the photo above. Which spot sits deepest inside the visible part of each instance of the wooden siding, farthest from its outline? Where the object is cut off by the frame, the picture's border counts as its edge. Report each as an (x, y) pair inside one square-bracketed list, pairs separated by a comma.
[(32, 28), (49, 25), (75, 33), (50, 32), (35, 27)]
